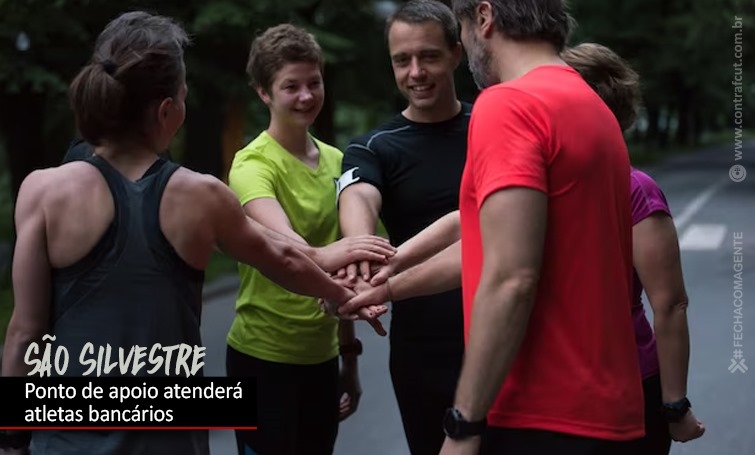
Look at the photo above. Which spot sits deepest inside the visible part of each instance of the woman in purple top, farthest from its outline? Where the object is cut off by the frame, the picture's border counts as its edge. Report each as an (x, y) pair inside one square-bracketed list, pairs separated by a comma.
[(664, 352)]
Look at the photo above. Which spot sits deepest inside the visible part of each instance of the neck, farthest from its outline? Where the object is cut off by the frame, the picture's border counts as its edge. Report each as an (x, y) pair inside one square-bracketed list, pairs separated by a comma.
[(129, 159), (294, 139), (446, 108), (515, 59)]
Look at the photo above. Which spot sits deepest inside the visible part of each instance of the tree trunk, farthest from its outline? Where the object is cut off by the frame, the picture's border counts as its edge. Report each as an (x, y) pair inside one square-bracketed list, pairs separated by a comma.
[(233, 135)]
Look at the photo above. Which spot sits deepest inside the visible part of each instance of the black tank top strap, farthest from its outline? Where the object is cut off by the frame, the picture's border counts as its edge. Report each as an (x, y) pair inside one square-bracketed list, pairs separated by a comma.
[(155, 235), (112, 242)]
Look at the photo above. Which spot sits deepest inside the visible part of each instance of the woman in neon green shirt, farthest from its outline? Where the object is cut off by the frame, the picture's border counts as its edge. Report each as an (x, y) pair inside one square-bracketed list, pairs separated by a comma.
[(285, 179)]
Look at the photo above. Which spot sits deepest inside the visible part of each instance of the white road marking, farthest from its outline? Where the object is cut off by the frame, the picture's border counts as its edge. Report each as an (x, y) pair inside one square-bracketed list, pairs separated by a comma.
[(697, 203), (703, 237)]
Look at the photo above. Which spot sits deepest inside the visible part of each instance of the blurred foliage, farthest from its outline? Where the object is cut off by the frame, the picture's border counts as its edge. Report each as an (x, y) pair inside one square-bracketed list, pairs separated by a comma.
[(683, 49)]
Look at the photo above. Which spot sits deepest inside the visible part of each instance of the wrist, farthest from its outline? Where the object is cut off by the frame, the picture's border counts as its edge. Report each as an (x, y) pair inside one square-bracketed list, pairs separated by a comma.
[(350, 361), (459, 427), (341, 294), (349, 351), (675, 411), (398, 263), (388, 290), (314, 254)]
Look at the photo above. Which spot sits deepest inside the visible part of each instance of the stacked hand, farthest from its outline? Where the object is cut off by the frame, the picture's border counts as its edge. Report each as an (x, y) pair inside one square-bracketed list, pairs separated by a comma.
[(371, 293)]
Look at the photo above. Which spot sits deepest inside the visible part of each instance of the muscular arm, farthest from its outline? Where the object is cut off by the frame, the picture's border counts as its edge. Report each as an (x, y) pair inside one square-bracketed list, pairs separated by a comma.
[(656, 259), (279, 259), (512, 223), (358, 211), (31, 277), (269, 213)]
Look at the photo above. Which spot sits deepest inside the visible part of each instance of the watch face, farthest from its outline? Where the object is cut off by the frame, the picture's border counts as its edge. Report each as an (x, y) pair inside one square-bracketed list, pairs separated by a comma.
[(451, 423)]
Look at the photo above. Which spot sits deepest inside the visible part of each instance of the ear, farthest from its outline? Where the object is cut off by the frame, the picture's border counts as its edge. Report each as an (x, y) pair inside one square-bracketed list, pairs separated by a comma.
[(457, 51), (485, 18), (262, 93), (163, 110)]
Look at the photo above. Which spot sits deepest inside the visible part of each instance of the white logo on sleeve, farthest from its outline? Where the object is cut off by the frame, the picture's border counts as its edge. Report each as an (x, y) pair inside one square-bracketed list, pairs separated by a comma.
[(345, 180)]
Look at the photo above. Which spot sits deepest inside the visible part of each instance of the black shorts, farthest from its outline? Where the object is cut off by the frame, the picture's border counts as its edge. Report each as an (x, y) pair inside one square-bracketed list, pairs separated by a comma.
[(297, 406), (511, 441)]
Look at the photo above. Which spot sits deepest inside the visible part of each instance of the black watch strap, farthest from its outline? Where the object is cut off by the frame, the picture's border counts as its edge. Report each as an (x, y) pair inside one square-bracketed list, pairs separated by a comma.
[(675, 411), (352, 349), (457, 427)]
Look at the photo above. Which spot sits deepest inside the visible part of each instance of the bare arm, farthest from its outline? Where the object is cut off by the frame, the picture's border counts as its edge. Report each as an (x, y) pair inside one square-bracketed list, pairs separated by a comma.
[(358, 210), (277, 258), (430, 241), (31, 278), (512, 223), (438, 274), (656, 259), (269, 213)]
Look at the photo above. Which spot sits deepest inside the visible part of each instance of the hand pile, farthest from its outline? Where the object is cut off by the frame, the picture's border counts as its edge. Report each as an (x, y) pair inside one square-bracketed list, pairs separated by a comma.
[(371, 293)]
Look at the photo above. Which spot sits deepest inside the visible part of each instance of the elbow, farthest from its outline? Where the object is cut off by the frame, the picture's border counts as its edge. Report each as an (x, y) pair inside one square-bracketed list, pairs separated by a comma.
[(523, 286), (18, 338), (518, 288), (669, 306), (19, 334)]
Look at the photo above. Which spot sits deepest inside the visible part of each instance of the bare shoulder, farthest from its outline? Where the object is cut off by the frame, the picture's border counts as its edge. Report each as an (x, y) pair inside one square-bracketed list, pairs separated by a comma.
[(46, 185), (196, 183), (200, 189)]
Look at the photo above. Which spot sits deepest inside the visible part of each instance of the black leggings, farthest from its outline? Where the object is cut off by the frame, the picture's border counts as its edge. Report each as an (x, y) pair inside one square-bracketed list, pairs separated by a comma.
[(424, 377), (297, 406), (657, 440), (513, 441)]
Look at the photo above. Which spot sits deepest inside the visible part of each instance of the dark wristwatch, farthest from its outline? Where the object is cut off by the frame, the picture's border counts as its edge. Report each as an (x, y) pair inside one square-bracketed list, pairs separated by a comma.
[(457, 427), (675, 411), (354, 348), (14, 439)]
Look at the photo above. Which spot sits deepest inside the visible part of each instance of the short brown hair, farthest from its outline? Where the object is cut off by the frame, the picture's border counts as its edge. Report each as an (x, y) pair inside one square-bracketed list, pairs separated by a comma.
[(138, 59), (421, 11), (277, 46), (610, 76), (525, 20)]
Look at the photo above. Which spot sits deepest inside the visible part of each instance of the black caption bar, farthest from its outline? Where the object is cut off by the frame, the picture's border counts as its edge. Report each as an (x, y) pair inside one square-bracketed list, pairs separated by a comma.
[(128, 403)]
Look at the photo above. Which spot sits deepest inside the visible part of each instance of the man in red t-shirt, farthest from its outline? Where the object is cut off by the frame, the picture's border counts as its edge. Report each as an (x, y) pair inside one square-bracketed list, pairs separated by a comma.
[(546, 248)]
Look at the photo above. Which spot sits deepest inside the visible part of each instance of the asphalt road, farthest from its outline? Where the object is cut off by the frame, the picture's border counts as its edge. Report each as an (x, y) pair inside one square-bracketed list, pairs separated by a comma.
[(715, 216)]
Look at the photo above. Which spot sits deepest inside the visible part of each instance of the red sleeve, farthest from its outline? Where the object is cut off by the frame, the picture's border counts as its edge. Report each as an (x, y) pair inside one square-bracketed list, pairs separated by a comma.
[(507, 142)]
